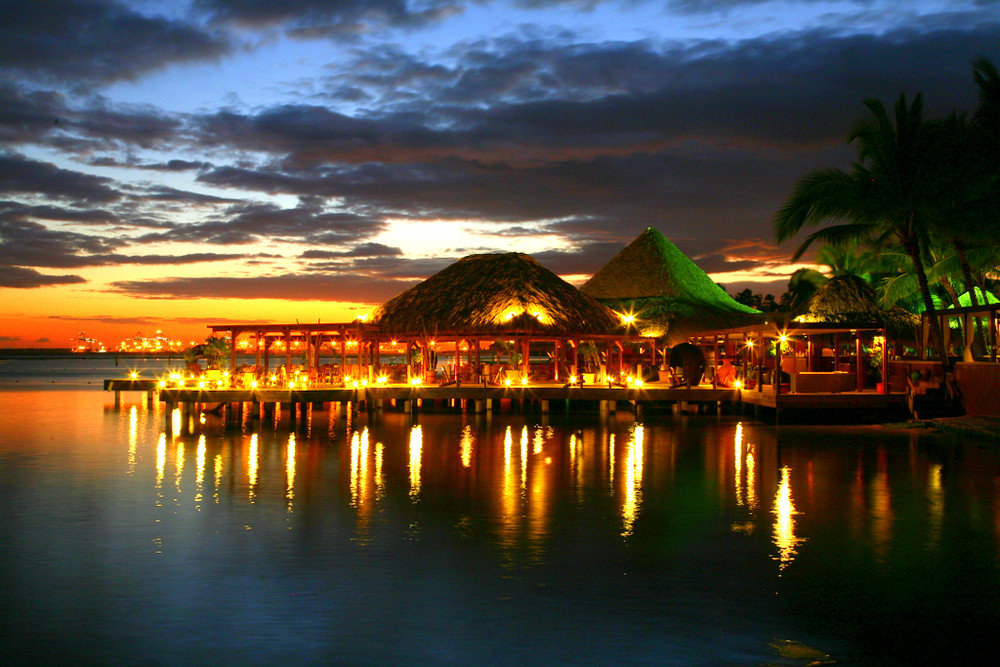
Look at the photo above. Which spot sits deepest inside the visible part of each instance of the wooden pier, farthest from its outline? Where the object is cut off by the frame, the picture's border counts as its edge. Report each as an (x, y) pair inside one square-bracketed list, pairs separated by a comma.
[(825, 405), (148, 387), (541, 398), (473, 397)]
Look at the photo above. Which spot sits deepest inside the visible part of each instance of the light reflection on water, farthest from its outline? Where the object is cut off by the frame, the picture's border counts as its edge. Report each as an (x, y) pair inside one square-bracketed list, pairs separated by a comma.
[(633, 479), (461, 539), (784, 521)]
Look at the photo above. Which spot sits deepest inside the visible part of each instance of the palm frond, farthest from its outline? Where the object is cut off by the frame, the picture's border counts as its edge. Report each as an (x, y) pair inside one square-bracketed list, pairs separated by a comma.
[(839, 235)]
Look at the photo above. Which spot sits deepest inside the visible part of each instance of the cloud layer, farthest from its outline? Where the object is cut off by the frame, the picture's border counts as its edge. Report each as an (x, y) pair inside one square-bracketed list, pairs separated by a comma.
[(409, 112)]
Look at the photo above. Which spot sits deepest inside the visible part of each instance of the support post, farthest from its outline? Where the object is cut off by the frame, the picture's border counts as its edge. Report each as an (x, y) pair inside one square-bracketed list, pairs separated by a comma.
[(860, 376)]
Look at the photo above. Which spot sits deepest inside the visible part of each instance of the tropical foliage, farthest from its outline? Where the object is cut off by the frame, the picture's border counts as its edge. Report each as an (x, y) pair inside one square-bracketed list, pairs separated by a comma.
[(213, 350), (917, 215)]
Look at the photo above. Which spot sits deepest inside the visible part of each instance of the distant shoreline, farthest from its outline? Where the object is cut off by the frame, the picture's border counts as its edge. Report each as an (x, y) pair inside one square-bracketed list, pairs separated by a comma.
[(45, 353)]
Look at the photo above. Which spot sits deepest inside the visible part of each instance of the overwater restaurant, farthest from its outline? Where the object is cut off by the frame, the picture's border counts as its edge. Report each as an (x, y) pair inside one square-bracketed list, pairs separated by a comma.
[(500, 319), (492, 319), (649, 320)]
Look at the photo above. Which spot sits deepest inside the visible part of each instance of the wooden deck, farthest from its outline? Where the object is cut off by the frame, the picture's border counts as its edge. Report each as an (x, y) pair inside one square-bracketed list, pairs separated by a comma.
[(468, 392), (844, 400), (487, 398)]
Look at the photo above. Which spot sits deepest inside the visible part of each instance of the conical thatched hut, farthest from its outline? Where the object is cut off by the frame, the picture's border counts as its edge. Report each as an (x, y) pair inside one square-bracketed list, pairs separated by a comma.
[(850, 300), (495, 293), (667, 293)]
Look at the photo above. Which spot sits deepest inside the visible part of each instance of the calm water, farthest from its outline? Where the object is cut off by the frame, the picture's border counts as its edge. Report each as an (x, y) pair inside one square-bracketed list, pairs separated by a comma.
[(452, 539)]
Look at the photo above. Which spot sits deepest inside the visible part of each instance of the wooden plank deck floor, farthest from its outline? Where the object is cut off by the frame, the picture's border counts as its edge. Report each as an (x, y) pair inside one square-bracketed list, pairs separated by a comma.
[(648, 395), (550, 391), (542, 392), (844, 400)]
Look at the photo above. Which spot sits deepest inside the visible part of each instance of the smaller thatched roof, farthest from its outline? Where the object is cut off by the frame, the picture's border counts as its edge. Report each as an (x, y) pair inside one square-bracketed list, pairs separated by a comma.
[(850, 300), (982, 298), (495, 293), (668, 293)]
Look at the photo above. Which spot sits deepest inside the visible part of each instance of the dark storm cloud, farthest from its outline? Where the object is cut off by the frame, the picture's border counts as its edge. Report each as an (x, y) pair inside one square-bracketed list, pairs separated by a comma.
[(166, 260), (165, 194), (56, 213), (351, 287), (328, 18), (88, 124), (23, 176), (774, 91), (94, 42), (622, 135), (253, 223), (577, 102), (362, 250), (719, 6), (27, 243), (178, 165), (29, 115), (404, 272), (18, 277)]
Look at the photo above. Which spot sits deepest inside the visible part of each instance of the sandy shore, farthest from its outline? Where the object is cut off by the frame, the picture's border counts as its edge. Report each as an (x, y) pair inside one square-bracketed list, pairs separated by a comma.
[(983, 428)]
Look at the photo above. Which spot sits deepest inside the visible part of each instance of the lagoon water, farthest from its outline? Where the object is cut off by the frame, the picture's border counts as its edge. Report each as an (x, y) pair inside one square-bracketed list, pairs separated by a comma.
[(510, 539)]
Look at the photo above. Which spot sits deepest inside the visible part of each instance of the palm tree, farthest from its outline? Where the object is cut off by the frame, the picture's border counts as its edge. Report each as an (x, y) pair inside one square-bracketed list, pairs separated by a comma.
[(848, 259), (965, 220), (970, 212), (884, 198), (987, 116), (986, 123)]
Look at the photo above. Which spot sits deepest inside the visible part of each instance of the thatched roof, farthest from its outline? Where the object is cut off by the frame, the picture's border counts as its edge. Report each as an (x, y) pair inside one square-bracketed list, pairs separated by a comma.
[(495, 293), (982, 298), (849, 299), (667, 292)]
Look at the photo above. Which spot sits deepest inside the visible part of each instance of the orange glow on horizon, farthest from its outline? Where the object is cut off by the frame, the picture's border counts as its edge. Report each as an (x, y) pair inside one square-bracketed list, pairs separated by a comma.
[(50, 318)]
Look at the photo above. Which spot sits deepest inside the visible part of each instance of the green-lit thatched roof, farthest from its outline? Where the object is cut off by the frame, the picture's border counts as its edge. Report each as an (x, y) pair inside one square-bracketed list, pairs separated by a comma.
[(667, 292), (495, 293), (849, 299), (982, 298)]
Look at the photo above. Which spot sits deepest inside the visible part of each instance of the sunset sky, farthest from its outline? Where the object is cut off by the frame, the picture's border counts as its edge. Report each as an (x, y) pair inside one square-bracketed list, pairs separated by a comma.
[(165, 165)]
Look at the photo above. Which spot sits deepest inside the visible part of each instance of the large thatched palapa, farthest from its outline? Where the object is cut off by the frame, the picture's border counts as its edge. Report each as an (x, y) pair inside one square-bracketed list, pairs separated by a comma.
[(666, 292), (495, 293)]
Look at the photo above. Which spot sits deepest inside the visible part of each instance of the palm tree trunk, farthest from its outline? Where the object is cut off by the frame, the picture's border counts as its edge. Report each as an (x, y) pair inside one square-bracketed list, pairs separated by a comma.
[(963, 260), (913, 250), (973, 300)]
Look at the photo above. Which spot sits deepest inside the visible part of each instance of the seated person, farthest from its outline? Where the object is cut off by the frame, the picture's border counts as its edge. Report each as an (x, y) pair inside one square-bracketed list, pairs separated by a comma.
[(725, 375)]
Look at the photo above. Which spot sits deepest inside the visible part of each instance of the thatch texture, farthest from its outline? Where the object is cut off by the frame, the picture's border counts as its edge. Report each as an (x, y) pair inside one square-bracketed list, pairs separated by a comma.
[(667, 292), (850, 300), (495, 293), (982, 298)]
